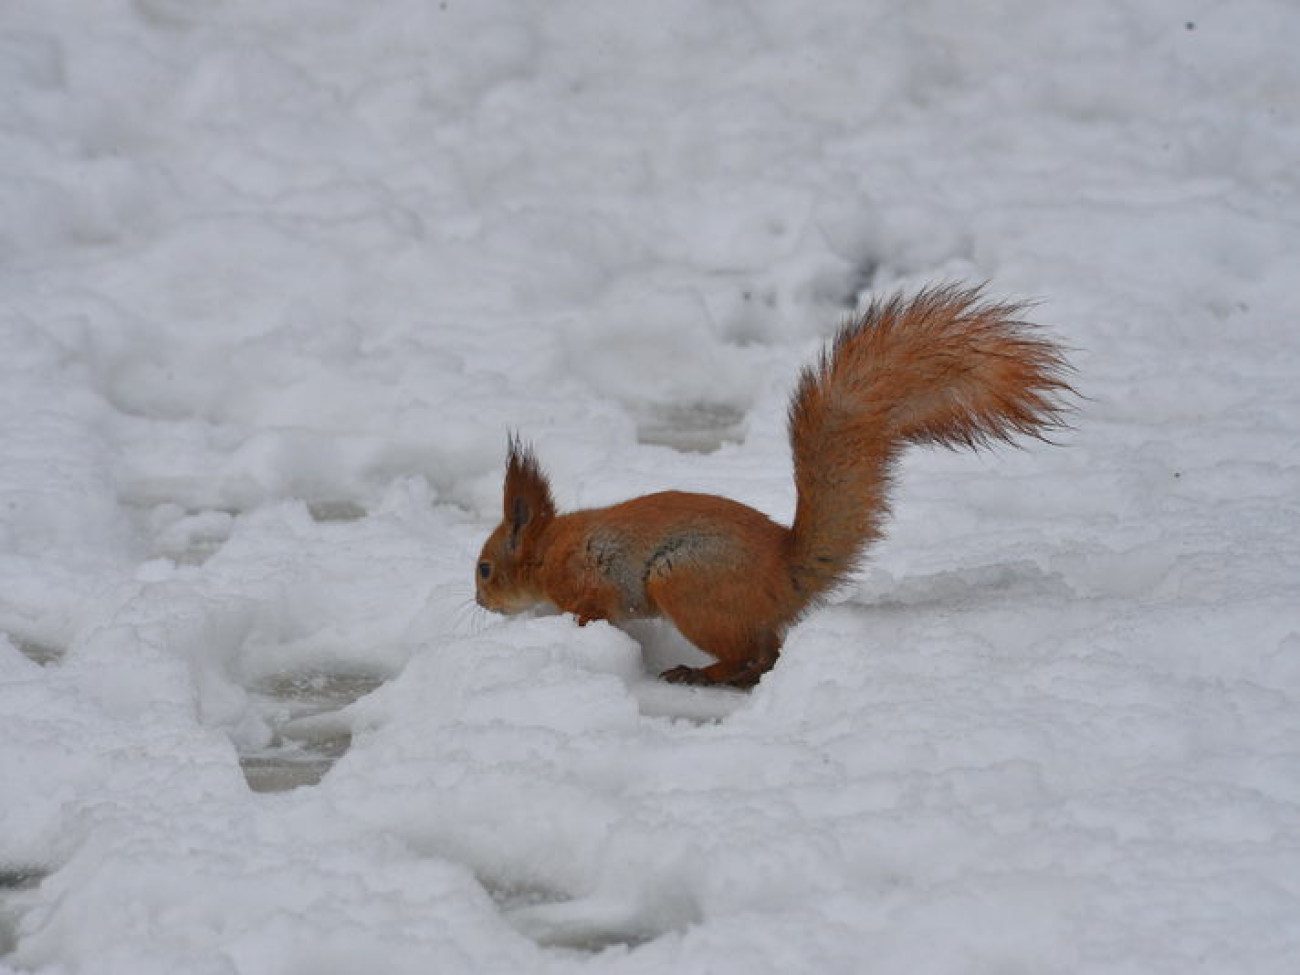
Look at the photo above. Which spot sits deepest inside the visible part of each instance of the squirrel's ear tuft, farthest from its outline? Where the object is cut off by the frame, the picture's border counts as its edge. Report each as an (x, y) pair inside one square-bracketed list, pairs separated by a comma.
[(528, 501)]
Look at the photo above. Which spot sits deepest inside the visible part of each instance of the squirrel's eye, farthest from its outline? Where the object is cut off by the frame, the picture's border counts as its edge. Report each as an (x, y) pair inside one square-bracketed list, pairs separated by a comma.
[(485, 570)]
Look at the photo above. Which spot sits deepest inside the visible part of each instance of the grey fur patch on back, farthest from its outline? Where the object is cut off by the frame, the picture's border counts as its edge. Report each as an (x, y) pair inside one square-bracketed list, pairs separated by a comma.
[(686, 546), (608, 553)]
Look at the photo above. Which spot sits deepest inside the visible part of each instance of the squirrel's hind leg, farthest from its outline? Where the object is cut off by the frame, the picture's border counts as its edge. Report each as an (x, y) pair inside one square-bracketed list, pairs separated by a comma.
[(715, 607), (744, 652), (742, 673)]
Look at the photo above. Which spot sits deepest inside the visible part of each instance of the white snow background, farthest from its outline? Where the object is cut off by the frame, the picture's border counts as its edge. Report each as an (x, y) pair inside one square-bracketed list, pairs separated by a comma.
[(278, 276)]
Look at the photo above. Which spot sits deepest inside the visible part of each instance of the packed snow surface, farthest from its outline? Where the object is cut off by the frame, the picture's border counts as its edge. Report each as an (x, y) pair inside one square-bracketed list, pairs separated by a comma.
[(277, 278)]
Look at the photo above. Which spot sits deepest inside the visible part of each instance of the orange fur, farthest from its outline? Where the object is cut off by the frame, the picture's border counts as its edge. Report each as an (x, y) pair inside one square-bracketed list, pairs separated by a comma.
[(946, 367)]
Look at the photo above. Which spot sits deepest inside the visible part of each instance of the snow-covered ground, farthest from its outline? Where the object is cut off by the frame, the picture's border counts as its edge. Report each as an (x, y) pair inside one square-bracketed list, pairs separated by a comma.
[(278, 276)]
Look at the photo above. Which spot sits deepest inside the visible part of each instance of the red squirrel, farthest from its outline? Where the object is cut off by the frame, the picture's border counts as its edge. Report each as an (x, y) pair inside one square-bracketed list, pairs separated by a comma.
[(946, 367)]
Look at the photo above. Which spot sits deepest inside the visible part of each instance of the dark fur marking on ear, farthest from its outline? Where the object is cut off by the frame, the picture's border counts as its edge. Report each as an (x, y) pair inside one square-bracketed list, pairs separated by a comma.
[(520, 516)]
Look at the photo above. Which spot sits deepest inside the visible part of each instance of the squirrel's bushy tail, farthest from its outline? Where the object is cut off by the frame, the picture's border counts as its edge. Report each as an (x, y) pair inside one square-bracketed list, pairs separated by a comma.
[(946, 367)]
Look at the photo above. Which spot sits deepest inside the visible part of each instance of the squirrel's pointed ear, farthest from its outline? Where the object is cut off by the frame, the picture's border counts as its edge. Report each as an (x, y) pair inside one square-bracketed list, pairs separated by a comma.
[(528, 502)]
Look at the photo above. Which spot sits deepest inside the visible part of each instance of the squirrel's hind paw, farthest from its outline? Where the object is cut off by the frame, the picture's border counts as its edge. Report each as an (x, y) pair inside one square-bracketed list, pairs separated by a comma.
[(701, 677)]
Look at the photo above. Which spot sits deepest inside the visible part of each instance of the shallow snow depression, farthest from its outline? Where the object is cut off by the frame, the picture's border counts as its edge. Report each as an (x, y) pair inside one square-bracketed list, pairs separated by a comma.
[(277, 278)]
